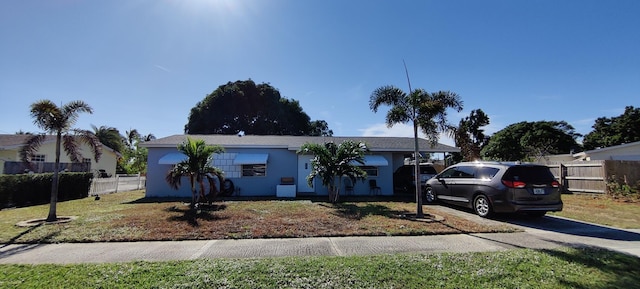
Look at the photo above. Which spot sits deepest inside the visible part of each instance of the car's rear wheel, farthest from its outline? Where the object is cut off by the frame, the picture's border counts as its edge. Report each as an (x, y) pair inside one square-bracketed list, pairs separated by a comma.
[(482, 207), (429, 195)]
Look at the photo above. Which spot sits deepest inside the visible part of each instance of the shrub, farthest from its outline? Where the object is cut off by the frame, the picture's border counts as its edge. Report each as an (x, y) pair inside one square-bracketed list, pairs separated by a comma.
[(35, 189), (618, 188)]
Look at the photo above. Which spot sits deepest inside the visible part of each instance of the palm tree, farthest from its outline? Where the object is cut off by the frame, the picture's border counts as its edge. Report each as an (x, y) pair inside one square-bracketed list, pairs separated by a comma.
[(424, 110), (197, 167), (333, 162), (110, 137), (58, 121)]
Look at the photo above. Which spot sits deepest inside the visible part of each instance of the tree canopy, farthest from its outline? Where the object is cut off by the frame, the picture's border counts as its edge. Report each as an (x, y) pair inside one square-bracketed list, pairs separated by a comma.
[(254, 109), (531, 141), (424, 110), (469, 135), (614, 131), (332, 162), (59, 120)]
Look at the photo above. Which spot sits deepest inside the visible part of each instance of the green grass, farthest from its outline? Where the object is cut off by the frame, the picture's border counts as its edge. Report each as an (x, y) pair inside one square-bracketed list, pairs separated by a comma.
[(522, 268), (601, 209)]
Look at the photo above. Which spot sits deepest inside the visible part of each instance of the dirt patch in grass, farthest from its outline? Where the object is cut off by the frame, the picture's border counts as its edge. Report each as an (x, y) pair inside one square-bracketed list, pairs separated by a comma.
[(130, 217)]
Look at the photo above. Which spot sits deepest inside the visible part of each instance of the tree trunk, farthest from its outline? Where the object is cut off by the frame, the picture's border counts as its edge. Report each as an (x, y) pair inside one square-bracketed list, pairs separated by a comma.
[(419, 212), (52, 217)]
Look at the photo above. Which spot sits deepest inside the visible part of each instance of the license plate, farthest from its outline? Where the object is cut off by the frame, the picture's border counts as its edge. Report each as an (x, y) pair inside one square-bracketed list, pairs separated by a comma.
[(538, 191)]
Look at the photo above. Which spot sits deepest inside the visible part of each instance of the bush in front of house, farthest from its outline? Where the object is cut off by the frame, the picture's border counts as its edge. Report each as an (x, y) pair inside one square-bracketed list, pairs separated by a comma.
[(35, 189)]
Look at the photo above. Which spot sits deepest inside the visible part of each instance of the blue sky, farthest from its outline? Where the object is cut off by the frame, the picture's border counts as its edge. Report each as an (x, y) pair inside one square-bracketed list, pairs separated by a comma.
[(144, 64)]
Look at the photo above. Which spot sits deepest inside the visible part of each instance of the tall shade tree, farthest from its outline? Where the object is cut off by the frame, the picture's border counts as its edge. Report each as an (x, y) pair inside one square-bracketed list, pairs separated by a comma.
[(197, 167), (59, 121), (332, 162), (531, 141), (255, 109), (617, 130), (425, 111)]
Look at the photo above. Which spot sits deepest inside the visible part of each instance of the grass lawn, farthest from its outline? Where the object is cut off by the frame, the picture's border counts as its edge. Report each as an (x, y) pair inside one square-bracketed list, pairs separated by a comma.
[(601, 209), (131, 217), (522, 268)]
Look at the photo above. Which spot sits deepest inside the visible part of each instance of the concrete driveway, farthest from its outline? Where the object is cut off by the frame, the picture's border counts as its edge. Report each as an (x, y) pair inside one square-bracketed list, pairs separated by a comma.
[(544, 233)]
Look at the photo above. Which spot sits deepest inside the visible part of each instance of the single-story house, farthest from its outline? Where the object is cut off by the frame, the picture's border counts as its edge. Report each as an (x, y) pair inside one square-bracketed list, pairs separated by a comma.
[(10, 145), (257, 165), (623, 152)]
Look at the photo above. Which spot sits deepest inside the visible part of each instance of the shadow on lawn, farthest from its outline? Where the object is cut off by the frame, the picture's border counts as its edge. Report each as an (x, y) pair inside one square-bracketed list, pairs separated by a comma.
[(623, 270), (356, 212), (191, 216)]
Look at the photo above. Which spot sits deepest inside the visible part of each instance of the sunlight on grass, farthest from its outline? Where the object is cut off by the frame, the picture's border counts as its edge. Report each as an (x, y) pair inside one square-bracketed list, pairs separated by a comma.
[(522, 268), (602, 210)]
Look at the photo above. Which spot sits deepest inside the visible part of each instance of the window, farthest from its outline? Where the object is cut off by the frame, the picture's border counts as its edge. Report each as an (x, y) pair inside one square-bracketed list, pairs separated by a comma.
[(38, 158), (486, 173), (459, 172), (254, 170), (86, 161), (371, 170)]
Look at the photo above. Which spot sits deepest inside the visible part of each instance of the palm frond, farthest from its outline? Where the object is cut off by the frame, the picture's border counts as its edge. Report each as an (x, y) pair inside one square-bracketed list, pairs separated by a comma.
[(31, 146), (71, 147), (90, 139), (387, 95), (44, 114)]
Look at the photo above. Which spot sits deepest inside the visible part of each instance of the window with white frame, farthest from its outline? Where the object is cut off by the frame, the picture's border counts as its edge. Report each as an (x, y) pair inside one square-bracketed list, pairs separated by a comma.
[(254, 170), (371, 170), (38, 158)]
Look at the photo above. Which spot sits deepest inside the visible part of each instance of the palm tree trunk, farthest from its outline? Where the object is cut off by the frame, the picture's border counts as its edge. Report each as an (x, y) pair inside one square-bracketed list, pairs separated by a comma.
[(419, 212), (52, 217)]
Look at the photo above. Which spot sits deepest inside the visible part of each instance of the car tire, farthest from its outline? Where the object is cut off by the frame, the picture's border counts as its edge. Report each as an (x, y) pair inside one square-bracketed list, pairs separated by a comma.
[(482, 206), (430, 195)]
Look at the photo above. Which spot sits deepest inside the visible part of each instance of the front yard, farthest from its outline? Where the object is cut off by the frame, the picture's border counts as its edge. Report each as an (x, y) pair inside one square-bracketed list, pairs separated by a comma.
[(131, 217)]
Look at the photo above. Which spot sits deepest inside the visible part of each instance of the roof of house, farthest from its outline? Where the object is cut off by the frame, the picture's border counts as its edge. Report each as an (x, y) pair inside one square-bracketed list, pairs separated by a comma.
[(392, 144), (15, 141), (605, 149)]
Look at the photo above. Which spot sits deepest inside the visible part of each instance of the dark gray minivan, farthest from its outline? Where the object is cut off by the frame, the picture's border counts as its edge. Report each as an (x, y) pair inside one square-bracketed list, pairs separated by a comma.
[(497, 187)]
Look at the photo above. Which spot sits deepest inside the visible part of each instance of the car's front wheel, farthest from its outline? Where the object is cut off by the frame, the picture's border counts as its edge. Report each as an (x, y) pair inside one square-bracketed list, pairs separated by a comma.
[(482, 206), (429, 195)]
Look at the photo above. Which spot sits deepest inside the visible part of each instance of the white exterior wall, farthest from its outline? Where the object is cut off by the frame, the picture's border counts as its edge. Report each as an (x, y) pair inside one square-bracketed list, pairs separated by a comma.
[(107, 162)]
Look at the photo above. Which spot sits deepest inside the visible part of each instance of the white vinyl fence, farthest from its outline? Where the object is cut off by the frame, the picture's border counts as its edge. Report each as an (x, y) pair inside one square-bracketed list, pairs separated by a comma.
[(119, 183)]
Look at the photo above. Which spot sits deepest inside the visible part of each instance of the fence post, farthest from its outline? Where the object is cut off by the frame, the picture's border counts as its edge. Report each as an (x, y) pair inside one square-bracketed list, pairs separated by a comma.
[(117, 182), (139, 179)]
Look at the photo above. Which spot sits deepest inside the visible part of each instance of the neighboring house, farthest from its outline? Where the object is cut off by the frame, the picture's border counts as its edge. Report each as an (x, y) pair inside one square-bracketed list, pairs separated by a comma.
[(258, 164), (10, 145), (623, 152)]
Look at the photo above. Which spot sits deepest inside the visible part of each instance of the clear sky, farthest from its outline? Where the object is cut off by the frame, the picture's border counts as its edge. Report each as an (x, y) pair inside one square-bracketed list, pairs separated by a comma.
[(144, 64)]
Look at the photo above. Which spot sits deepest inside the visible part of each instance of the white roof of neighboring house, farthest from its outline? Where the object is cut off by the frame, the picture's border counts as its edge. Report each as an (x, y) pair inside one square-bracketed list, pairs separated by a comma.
[(387, 144)]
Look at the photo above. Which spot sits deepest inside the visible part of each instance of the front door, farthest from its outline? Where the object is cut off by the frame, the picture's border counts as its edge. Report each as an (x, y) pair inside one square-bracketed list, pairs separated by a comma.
[(304, 169)]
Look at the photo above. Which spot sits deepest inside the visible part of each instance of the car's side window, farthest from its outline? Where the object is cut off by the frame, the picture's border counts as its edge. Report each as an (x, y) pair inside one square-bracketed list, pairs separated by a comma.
[(465, 172), (486, 173), (448, 173)]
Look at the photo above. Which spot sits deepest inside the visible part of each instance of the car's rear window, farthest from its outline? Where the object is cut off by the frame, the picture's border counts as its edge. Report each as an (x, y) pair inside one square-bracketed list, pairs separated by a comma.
[(529, 174)]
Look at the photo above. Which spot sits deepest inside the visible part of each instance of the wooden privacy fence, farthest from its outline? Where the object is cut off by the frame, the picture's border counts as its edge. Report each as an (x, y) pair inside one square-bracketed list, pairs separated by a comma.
[(119, 183), (593, 176)]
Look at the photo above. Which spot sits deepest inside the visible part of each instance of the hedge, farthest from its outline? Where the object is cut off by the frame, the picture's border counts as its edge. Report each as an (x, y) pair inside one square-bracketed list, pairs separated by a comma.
[(35, 189)]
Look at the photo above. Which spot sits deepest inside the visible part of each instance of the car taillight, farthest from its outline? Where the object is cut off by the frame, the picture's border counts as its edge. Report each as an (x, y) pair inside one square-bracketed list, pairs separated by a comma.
[(514, 184), (555, 184)]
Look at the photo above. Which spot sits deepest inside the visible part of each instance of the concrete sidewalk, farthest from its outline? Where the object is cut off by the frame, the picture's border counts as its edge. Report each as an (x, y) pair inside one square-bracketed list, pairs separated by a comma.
[(188, 250)]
